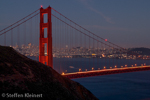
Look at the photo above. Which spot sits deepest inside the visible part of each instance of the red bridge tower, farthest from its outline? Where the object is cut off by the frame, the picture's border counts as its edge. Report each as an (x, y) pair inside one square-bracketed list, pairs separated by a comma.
[(43, 58)]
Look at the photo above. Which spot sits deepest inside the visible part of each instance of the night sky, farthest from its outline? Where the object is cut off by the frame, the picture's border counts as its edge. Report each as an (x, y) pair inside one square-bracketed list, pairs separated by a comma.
[(123, 22)]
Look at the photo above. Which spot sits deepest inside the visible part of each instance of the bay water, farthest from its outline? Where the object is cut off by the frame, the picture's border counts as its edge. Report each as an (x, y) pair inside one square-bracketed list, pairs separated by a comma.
[(125, 86)]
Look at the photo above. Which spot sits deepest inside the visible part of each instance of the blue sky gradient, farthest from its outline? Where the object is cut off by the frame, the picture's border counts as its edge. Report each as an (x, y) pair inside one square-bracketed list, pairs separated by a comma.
[(123, 22)]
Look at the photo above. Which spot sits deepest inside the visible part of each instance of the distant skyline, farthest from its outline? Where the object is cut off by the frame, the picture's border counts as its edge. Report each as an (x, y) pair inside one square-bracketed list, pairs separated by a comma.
[(123, 22)]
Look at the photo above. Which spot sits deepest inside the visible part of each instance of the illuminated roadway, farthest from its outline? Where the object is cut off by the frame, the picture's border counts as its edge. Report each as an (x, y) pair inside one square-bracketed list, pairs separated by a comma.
[(105, 71)]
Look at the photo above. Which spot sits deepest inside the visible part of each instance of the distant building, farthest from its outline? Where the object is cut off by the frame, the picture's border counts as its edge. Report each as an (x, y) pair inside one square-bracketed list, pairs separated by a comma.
[(29, 45)]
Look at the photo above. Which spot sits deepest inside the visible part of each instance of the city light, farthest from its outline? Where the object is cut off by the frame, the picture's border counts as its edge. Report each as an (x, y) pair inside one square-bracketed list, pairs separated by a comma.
[(92, 68), (79, 69), (33, 50)]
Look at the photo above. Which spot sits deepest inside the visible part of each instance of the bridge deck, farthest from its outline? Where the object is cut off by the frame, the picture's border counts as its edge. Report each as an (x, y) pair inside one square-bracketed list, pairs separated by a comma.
[(105, 72)]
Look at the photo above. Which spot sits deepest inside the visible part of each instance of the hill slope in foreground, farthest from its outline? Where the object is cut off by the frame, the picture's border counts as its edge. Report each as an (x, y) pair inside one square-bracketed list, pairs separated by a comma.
[(21, 77)]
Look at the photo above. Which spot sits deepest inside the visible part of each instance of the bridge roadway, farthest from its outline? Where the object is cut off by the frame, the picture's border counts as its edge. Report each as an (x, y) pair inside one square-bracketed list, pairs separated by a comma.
[(105, 72)]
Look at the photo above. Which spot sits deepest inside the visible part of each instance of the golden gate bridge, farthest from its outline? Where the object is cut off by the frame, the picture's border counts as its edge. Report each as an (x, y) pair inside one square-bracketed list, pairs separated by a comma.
[(50, 35)]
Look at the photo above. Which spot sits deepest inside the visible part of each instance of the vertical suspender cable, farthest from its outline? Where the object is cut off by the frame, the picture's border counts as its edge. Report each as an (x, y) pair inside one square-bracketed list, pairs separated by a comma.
[(97, 54), (18, 37), (89, 54), (11, 37), (5, 39)]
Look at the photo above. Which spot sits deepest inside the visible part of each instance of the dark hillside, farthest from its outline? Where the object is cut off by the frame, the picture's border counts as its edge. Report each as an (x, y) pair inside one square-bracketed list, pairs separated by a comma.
[(19, 74)]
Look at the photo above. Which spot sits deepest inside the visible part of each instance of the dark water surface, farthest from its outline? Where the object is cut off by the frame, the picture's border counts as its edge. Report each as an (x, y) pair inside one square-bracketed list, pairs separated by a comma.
[(126, 86)]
